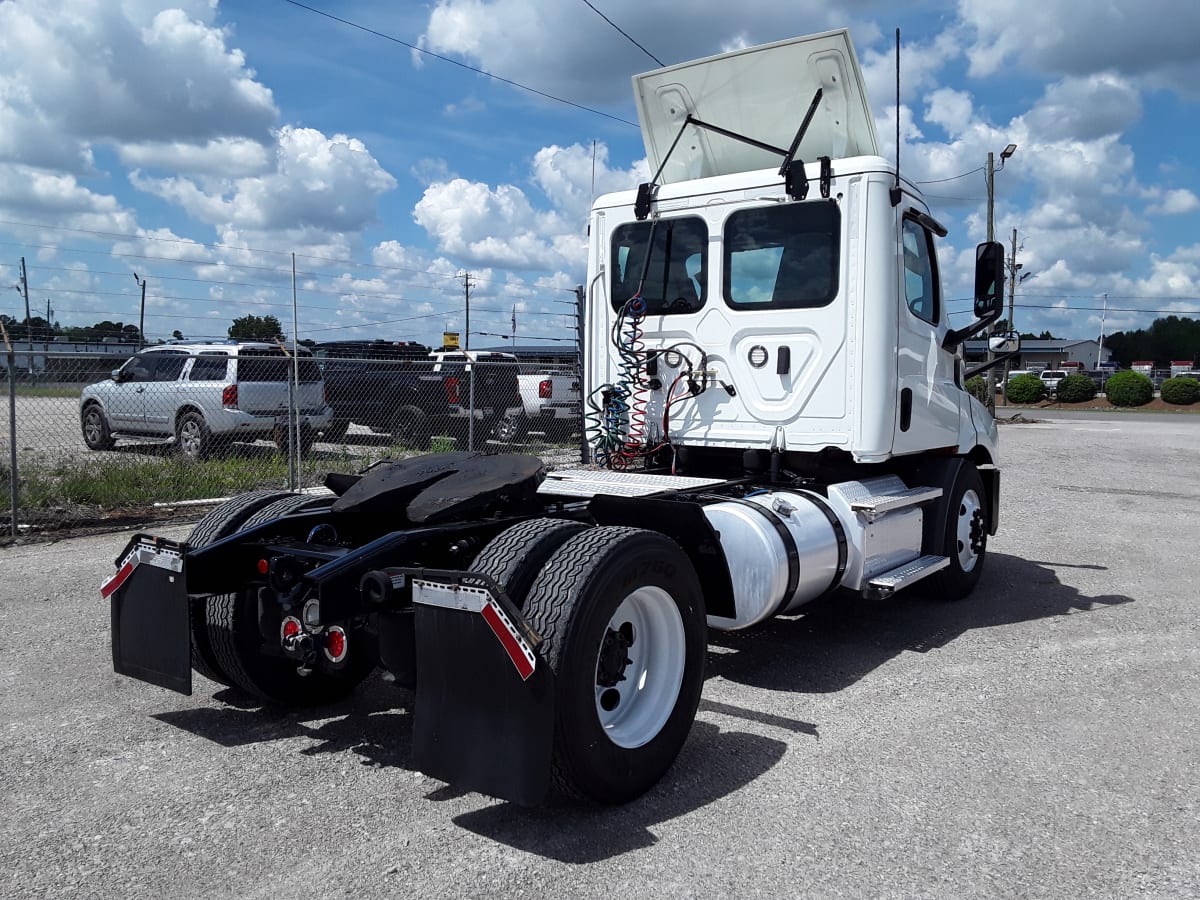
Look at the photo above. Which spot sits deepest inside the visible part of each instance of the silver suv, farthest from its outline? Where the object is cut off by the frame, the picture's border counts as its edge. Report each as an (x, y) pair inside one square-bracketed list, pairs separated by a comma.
[(205, 395)]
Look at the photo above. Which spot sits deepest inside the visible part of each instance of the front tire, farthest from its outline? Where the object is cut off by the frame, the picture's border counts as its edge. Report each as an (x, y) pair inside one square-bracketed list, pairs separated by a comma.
[(965, 537), (622, 618), (96, 432)]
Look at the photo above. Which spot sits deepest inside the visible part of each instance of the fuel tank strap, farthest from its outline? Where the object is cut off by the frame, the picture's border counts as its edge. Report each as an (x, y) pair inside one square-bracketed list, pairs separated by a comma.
[(838, 532)]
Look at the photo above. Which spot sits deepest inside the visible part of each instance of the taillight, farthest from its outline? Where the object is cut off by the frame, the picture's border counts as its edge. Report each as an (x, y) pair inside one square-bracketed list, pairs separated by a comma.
[(451, 385), (545, 389), (229, 396)]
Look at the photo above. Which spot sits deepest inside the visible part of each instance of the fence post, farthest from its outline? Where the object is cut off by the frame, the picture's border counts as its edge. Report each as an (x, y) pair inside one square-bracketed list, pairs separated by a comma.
[(471, 405), (12, 427), (580, 300)]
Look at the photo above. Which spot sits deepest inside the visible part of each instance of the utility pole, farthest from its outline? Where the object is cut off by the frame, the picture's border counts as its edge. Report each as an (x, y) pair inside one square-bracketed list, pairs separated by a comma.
[(28, 318), (467, 302), (1012, 281), (1103, 316), (142, 316)]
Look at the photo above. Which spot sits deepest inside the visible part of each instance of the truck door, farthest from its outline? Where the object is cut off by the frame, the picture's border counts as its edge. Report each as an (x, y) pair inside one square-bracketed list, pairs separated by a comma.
[(929, 399), (161, 394)]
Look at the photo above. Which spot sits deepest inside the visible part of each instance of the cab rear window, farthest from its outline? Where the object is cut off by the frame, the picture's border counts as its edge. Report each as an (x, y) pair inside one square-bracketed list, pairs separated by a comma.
[(665, 261), (273, 366), (783, 256)]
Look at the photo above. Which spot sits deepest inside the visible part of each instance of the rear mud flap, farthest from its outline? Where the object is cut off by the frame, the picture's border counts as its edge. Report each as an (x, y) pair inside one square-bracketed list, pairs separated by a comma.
[(151, 637), (484, 717)]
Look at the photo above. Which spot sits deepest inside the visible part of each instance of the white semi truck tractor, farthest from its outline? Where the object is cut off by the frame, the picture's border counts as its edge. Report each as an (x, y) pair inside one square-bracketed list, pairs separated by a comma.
[(774, 410)]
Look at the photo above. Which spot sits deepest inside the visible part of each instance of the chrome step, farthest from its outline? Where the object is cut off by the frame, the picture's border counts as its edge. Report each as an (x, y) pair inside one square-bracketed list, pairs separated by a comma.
[(881, 503), (902, 576)]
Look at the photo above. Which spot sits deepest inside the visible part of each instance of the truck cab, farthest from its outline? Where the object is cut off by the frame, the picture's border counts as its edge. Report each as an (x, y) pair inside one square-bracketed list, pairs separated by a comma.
[(801, 311)]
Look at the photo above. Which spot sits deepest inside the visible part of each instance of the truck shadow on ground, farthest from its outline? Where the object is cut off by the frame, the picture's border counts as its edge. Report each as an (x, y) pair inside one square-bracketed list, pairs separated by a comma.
[(839, 639)]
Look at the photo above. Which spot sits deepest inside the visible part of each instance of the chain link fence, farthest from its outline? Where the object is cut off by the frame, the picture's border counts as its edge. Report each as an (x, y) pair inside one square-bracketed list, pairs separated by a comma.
[(123, 435)]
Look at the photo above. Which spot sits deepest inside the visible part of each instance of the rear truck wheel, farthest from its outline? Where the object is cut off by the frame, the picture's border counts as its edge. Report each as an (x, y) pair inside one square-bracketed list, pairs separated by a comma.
[(409, 427), (221, 521), (965, 537), (96, 433), (510, 428), (239, 644), (335, 430), (515, 556), (192, 436), (308, 437), (622, 618)]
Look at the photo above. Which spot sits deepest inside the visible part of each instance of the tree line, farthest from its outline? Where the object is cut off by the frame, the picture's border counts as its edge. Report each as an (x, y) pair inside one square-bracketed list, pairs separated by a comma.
[(1172, 337), (244, 328)]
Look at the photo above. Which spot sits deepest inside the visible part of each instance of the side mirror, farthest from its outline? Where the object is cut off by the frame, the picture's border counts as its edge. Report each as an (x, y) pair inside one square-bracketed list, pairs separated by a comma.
[(116, 375), (989, 280), (989, 293), (1005, 342)]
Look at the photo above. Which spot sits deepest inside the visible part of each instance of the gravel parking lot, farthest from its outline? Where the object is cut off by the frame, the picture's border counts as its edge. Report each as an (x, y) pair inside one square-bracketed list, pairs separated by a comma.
[(1038, 739)]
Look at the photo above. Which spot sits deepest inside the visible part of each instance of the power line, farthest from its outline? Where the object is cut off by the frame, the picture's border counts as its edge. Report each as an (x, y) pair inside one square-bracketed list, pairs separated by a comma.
[(624, 32), (455, 62), (939, 180)]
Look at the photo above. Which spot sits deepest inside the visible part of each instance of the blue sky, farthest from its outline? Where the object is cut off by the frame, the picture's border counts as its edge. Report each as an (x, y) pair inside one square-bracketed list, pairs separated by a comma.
[(200, 144)]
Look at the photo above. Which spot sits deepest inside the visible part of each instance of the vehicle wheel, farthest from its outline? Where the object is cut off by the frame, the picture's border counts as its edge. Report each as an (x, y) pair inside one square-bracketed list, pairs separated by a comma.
[(192, 436), (96, 433), (515, 556), (219, 522), (510, 428), (621, 614), (965, 539), (410, 428), (237, 643), (335, 431), (308, 437)]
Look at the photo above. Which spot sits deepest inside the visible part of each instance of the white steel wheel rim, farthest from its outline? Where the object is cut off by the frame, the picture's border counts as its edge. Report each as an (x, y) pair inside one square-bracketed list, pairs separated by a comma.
[(657, 657), (969, 509)]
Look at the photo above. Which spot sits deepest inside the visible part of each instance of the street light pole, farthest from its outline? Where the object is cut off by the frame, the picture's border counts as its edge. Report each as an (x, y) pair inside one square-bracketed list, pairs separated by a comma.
[(991, 171)]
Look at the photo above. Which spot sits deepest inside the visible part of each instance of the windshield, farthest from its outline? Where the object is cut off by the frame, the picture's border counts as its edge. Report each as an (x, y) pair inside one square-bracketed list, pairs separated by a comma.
[(675, 276)]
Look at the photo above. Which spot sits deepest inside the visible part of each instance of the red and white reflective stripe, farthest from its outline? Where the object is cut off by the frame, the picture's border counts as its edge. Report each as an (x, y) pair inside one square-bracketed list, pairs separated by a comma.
[(514, 644), (151, 554), (472, 599), (111, 585)]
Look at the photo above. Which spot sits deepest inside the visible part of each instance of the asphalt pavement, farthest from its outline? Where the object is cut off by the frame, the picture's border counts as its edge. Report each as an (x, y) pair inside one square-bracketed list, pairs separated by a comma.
[(1036, 740)]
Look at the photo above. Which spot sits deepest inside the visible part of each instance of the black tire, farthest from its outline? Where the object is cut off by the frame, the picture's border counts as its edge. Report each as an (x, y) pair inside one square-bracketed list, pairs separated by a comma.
[(510, 428), (219, 522), (233, 633), (96, 433), (308, 437), (192, 437), (335, 431), (964, 539), (409, 427), (515, 556), (572, 604)]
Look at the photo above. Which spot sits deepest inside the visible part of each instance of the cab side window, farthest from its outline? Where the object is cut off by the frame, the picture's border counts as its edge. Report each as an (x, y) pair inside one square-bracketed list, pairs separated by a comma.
[(920, 273)]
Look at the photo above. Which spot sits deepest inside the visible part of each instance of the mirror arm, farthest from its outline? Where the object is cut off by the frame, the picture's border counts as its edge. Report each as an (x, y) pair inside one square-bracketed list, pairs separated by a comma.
[(983, 367), (954, 337)]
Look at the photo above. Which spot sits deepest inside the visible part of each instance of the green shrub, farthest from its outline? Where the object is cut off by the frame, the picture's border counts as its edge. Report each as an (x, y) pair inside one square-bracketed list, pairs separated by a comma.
[(1076, 389), (1129, 388), (1180, 391), (977, 387), (1025, 389)]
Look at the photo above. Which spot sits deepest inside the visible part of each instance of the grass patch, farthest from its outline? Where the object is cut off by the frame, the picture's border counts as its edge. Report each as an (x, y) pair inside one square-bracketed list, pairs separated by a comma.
[(49, 390), (112, 483)]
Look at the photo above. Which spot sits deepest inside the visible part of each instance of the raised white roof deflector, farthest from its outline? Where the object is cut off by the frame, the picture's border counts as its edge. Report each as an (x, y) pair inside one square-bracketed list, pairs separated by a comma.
[(762, 93)]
